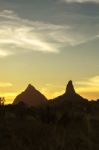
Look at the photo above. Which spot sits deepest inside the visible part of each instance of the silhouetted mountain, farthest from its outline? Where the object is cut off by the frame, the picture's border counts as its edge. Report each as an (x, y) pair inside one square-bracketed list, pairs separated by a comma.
[(70, 88), (69, 100), (70, 95), (31, 97), (69, 118)]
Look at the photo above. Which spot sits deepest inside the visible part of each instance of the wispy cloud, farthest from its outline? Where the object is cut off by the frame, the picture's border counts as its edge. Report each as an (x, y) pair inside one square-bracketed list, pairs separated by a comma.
[(80, 1), (18, 34), (5, 84), (92, 82), (89, 87)]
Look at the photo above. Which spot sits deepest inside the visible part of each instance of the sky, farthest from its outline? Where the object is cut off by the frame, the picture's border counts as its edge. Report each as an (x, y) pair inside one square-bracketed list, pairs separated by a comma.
[(47, 43)]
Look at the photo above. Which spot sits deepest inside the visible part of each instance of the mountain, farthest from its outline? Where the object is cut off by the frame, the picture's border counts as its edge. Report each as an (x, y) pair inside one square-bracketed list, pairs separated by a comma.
[(68, 100), (70, 89), (68, 122), (31, 97), (70, 95)]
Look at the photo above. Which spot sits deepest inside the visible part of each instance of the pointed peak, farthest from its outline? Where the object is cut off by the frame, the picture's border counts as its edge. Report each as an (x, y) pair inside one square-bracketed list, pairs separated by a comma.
[(30, 87), (31, 97), (70, 88)]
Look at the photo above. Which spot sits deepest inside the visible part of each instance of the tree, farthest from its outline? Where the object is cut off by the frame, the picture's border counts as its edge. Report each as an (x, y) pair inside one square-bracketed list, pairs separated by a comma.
[(2, 107), (2, 101)]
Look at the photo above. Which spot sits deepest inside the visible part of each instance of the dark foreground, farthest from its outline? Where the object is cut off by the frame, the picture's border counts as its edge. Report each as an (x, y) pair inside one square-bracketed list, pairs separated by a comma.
[(50, 127)]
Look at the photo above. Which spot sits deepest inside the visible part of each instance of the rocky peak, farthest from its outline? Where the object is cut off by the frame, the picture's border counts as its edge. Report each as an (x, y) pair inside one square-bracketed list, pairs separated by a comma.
[(31, 96), (30, 88), (70, 88)]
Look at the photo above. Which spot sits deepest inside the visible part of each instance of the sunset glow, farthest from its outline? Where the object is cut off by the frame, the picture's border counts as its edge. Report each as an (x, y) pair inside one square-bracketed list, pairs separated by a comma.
[(47, 44)]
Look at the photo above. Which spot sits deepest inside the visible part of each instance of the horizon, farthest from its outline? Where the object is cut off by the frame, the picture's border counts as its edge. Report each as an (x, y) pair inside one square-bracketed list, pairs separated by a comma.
[(47, 43), (49, 97)]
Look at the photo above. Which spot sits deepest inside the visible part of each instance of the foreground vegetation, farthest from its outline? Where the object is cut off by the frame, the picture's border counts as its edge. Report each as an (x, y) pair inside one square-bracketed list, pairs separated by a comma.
[(50, 127)]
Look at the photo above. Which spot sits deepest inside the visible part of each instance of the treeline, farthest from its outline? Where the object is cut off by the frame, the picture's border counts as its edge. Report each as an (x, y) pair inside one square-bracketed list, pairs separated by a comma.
[(50, 113), (71, 126)]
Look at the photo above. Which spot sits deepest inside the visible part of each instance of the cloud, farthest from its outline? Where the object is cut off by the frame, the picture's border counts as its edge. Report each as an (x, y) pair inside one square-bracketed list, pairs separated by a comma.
[(92, 82), (22, 35), (5, 84), (89, 87), (16, 32), (81, 1)]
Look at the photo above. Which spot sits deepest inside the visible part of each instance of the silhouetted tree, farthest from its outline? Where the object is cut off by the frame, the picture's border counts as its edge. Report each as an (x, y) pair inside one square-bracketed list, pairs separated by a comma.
[(2, 107), (2, 101)]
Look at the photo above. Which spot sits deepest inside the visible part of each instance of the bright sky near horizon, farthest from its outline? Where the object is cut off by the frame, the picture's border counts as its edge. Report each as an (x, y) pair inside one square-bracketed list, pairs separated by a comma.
[(48, 42)]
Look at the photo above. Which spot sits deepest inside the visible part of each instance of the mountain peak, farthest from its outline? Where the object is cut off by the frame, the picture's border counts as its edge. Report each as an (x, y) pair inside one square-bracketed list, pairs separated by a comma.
[(30, 88), (30, 85), (31, 96), (70, 88)]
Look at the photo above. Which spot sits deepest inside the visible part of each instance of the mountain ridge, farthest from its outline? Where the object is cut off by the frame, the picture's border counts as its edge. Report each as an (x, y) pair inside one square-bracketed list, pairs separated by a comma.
[(32, 97)]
